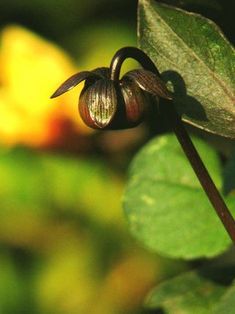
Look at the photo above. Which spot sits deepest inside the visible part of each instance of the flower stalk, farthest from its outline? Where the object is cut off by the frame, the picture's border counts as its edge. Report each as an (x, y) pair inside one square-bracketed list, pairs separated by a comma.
[(203, 176), (106, 102)]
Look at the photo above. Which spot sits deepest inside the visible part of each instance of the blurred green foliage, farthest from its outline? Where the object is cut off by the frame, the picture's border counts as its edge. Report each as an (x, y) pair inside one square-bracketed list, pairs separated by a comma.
[(62, 232), (64, 246)]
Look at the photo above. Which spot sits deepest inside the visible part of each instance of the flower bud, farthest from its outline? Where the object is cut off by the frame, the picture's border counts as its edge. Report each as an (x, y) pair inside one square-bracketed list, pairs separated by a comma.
[(109, 105), (115, 104)]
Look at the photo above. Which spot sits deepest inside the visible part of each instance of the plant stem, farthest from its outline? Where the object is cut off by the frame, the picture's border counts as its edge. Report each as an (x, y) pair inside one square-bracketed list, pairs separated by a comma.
[(182, 136), (201, 172), (130, 52)]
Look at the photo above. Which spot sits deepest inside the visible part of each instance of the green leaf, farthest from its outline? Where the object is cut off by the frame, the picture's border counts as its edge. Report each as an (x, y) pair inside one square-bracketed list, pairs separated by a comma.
[(227, 303), (197, 60), (186, 294), (165, 205), (208, 4)]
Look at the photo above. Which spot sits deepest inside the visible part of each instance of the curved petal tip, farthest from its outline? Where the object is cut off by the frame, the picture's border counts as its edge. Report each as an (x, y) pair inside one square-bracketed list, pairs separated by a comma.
[(71, 83), (149, 82)]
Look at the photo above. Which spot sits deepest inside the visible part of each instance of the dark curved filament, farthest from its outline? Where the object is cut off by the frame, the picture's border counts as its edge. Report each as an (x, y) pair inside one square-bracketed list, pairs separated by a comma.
[(130, 52)]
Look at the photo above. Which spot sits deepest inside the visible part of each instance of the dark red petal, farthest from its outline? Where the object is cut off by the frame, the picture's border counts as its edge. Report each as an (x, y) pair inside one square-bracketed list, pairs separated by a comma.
[(71, 82), (135, 101), (98, 104), (148, 82)]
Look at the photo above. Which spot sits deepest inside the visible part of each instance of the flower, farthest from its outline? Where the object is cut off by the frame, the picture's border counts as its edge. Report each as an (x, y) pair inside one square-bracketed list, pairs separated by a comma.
[(105, 103), (26, 115)]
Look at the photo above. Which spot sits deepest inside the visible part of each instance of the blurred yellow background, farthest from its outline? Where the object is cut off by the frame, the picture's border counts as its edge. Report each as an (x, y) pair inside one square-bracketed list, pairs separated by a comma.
[(64, 243)]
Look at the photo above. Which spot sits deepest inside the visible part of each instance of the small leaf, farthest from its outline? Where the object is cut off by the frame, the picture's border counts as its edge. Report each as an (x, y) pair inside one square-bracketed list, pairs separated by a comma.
[(165, 205), (197, 60), (186, 294)]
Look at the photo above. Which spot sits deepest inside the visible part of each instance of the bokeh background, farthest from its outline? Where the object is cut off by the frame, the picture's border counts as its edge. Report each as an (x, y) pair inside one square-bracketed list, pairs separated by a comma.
[(64, 242)]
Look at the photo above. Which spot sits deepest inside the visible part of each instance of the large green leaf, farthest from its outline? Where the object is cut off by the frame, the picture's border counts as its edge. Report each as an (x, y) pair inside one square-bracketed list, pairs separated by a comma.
[(188, 293), (165, 205), (197, 60)]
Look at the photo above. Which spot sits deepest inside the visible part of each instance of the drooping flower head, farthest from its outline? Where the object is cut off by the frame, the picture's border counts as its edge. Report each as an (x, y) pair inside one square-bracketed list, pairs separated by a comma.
[(109, 103)]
